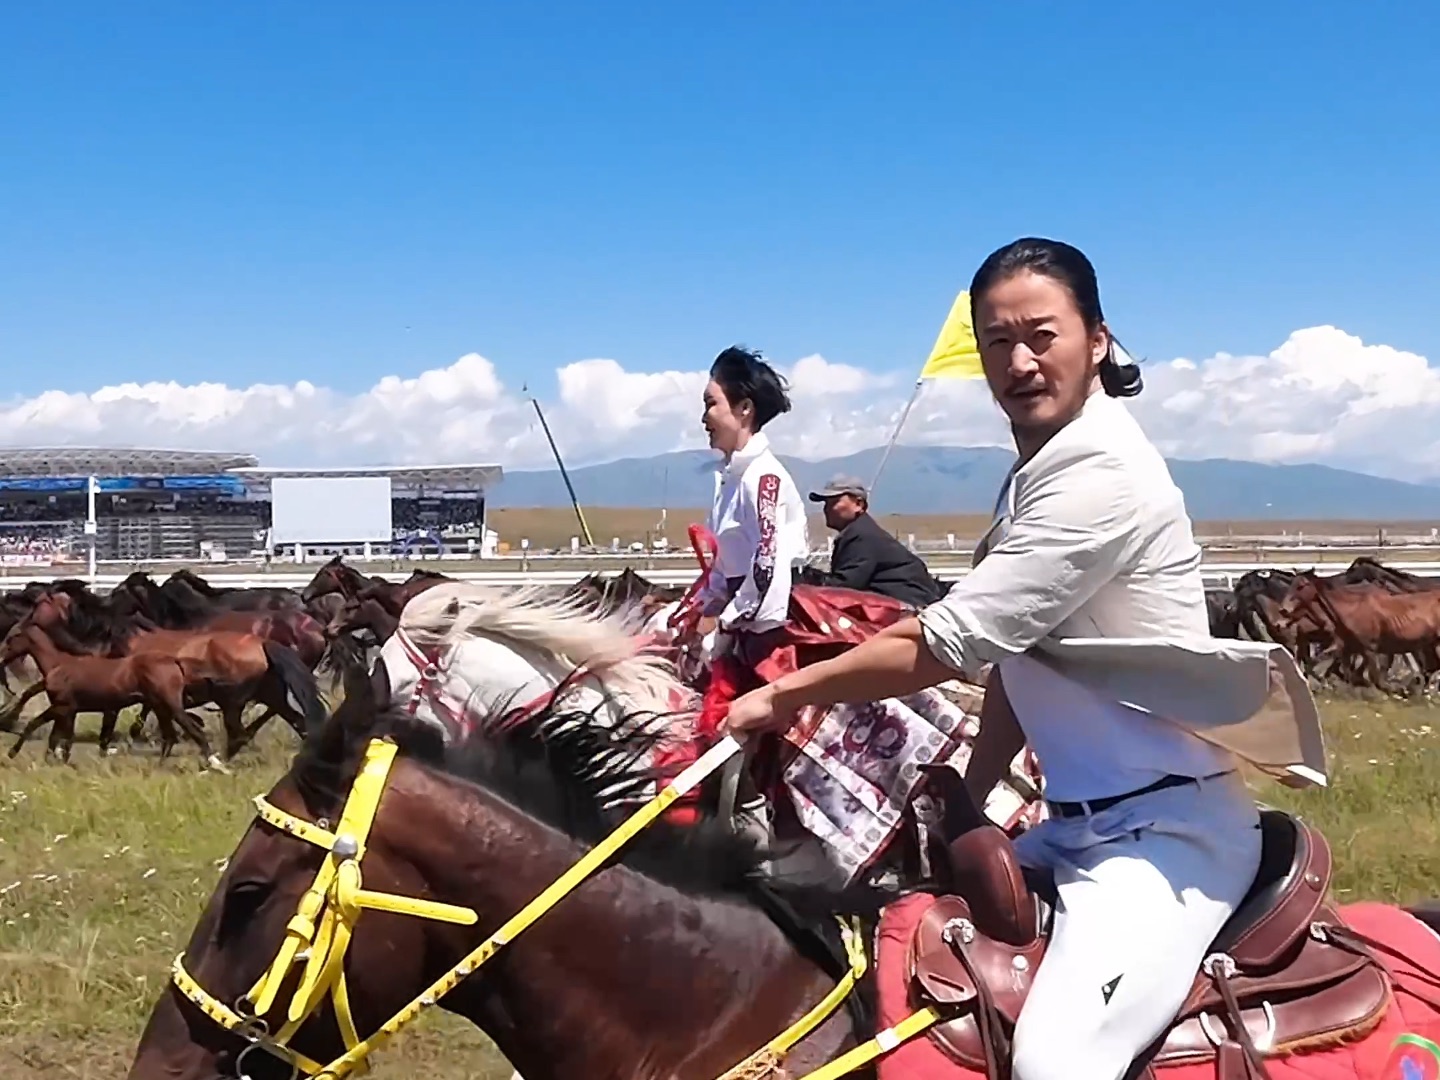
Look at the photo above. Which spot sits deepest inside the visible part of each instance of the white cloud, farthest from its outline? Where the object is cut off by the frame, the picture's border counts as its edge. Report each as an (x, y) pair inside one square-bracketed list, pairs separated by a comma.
[(1323, 395)]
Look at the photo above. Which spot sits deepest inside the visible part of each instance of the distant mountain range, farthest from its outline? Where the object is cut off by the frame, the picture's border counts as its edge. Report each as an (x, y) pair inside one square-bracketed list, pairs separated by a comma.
[(940, 480)]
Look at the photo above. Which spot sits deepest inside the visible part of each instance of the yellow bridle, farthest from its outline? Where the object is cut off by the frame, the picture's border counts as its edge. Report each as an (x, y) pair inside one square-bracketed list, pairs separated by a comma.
[(320, 931), (322, 926)]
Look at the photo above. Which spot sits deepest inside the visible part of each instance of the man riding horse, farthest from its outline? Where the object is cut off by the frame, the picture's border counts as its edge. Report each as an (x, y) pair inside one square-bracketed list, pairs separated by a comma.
[(1153, 839)]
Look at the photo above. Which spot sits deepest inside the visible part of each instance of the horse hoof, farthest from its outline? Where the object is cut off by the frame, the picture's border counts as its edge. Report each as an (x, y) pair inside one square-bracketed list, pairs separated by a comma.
[(214, 764), (110, 751)]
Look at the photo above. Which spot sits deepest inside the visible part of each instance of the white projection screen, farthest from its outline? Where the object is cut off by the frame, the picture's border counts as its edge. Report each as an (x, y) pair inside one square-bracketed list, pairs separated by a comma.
[(333, 510)]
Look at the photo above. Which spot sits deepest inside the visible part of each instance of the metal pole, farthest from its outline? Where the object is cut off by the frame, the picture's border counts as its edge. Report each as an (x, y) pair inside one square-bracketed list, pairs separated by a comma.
[(584, 528), (92, 487)]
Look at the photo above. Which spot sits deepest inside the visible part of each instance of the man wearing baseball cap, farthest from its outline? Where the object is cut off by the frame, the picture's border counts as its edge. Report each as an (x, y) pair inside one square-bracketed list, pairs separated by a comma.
[(865, 556)]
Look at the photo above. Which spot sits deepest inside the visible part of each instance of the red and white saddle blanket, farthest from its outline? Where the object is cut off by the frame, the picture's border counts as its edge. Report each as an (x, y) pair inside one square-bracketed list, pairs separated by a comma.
[(857, 767)]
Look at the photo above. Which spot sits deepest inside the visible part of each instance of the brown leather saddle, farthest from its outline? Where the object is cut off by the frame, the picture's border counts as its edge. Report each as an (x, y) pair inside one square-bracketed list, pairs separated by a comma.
[(1276, 980)]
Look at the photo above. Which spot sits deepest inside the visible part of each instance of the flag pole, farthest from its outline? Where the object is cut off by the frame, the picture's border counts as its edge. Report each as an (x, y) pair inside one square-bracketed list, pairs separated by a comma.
[(895, 436), (564, 475), (955, 356)]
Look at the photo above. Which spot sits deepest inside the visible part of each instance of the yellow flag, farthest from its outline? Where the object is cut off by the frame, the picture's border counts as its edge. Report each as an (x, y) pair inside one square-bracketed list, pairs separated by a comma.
[(955, 356)]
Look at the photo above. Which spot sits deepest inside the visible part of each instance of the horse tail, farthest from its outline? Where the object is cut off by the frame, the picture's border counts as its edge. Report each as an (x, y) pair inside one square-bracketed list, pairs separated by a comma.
[(299, 684)]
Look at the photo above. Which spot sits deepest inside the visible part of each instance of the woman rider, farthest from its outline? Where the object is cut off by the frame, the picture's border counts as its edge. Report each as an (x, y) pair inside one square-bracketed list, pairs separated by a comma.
[(758, 520), (1153, 838)]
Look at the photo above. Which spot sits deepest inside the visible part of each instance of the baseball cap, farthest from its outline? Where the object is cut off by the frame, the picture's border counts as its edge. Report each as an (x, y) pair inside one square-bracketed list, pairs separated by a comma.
[(840, 485)]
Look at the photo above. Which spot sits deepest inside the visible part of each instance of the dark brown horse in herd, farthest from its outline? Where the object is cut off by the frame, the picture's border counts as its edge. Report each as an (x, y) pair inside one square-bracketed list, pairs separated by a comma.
[(104, 684)]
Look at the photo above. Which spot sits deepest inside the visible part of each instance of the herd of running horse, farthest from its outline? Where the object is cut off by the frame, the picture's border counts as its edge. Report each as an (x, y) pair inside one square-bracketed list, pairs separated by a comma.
[(1370, 625), (173, 645)]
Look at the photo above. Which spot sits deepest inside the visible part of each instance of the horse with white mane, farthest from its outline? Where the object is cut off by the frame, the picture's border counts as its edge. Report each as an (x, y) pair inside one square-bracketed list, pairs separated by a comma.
[(465, 650)]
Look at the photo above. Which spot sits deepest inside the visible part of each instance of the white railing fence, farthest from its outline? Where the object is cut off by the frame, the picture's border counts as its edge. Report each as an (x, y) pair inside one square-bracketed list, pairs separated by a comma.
[(497, 573)]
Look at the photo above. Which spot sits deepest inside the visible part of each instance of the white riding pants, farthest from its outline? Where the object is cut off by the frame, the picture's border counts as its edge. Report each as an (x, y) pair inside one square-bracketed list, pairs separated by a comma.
[(1144, 887)]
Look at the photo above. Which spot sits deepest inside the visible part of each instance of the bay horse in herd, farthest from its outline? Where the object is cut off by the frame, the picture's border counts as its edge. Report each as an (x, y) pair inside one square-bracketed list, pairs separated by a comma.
[(102, 684), (227, 668), (677, 959), (1364, 625), (336, 578), (186, 601), (1359, 625)]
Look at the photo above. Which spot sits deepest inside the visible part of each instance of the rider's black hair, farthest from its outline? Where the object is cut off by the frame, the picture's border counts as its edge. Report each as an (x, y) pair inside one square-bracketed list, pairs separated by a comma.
[(745, 376), (1069, 266)]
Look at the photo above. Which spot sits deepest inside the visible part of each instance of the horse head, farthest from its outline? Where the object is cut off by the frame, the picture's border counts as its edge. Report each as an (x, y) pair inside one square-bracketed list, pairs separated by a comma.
[(333, 577), (672, 941), (1303, 595)]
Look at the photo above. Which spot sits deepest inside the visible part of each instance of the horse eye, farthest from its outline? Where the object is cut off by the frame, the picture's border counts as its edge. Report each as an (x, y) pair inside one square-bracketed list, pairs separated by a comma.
[(241, 903)]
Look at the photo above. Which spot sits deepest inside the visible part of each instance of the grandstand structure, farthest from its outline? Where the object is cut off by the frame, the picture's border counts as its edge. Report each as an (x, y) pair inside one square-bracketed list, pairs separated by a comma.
[(154, 505)]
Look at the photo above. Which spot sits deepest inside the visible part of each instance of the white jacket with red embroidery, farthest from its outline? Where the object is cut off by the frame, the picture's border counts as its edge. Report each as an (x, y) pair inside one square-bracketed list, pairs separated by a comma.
[(758, 518)]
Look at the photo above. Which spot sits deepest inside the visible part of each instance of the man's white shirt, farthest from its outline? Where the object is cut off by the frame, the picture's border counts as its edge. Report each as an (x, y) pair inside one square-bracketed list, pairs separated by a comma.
[(1087, 591)]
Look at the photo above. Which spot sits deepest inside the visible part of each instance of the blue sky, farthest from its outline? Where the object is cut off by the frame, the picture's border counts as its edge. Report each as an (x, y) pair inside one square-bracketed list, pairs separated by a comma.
[(340, 192)]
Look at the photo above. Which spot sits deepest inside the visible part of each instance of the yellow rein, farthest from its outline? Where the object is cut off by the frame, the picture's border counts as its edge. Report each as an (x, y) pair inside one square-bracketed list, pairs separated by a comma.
[(320, 931)]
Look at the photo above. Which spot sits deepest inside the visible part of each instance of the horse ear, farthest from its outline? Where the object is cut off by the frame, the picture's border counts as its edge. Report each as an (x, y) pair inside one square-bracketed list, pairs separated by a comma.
[(358, 713)]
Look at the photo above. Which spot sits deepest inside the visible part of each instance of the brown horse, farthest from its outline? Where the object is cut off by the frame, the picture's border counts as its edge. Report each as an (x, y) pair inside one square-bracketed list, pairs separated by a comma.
[(338, 578), (626, 588), (182, 604), (229, 669), (682, 972), (75, 684), (365, 614), (1368, 621)]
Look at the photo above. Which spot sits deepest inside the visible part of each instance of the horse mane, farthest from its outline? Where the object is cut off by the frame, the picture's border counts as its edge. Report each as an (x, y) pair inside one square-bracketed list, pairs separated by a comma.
[(181, 602), (196, 582), (150, 598), (534, 617), (92, 619), (560, 766), (346, 574)]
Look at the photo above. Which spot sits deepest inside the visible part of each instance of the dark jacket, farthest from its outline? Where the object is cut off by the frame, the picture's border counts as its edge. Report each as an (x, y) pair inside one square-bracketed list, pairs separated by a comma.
[(867, 557)]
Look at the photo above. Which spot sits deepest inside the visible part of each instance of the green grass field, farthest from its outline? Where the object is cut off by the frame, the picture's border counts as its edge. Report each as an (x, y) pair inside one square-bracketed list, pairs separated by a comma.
[(104, 866)]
